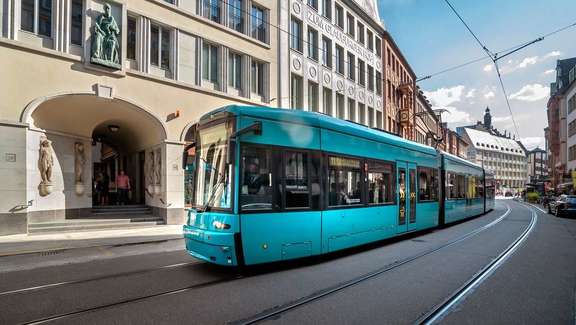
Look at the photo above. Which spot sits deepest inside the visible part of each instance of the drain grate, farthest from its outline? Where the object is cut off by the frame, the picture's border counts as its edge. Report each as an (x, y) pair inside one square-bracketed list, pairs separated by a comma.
[(51, 253)]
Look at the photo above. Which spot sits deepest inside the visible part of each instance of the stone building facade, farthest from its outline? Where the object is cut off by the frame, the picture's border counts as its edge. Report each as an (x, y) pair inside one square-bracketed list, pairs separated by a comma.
[(537, 166), (70, 114), (330, 61), (428, 126)]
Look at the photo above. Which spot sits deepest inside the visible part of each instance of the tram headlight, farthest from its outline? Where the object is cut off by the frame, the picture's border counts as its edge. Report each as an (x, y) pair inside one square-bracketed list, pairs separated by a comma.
[(220, 225)]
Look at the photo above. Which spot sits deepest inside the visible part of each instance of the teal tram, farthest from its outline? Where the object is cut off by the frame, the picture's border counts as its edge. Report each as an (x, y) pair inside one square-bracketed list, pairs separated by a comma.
[(274, 184)]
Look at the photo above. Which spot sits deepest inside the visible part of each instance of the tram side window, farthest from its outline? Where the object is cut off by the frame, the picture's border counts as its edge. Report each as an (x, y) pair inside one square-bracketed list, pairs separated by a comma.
[(427, 184), (345, 179), (256, 191), (451, 189), (480, 188), (461, 186), (296, 180), (381, 183)]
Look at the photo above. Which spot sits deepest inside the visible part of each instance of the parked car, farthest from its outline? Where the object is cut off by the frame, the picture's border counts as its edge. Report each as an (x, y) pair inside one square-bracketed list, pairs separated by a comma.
[(563, 206)]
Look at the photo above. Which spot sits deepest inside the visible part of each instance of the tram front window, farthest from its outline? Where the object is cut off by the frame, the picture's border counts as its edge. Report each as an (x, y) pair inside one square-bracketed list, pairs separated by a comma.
[(213, 186)]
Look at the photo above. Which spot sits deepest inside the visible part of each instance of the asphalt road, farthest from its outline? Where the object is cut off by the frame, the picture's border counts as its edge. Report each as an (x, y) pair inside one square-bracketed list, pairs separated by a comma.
[(394, 282)]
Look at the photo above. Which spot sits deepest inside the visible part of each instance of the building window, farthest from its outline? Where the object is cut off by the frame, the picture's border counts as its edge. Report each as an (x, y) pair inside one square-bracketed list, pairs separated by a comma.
[(258, 71), (340, 59), (370, 117), (351, 110), (370, 78), (313, 97), (327, 9), (378, 47), (361, 73), (296, 35), (379, 83), (160, 47), (351, 66), (370, 40), (361, 113), (379, 120), (327, 52), (210, 62), (340, 110), (258, 24), (313, 4), (312, 44), (339, 15), (350, 21), (211, 10), (235, 15), (345, 181), (36, 16), (361, 35), (76, 14), (235, 70), (296, 98), (327, 101), (131, 39)]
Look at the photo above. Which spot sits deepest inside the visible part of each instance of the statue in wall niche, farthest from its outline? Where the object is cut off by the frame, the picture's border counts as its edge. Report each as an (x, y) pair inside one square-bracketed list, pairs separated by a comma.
[(79, 162), (46, 160), (105, 45)]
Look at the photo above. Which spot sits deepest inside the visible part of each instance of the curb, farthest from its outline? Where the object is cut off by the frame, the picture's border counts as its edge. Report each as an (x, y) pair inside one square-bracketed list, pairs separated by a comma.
[(56, 250)]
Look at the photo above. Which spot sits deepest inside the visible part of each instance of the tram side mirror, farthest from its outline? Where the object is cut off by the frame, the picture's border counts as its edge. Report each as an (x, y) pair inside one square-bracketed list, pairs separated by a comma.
[(185, 154)]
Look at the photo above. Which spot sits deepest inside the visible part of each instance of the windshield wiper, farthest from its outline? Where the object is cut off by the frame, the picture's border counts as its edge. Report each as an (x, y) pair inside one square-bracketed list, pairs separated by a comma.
[(208, 205)]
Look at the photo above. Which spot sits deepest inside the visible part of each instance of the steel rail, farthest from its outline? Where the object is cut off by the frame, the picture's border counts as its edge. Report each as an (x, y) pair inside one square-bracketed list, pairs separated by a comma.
[(441, 310), (103, 277), (344, 285)]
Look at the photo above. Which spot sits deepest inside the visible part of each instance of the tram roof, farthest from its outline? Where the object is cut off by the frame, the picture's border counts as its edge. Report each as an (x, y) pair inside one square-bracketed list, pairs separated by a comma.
[(461, 160), (321, 121)]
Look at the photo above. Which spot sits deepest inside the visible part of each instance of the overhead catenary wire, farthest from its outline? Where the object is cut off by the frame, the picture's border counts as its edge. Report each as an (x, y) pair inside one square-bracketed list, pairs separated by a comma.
[(494, 58)]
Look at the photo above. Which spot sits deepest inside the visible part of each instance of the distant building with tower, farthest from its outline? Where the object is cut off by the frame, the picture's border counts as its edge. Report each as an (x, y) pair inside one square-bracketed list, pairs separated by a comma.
[(498, 152)]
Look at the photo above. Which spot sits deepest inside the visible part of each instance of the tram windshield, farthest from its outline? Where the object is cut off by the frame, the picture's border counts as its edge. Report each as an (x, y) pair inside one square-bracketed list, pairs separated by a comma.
[(213, 185)]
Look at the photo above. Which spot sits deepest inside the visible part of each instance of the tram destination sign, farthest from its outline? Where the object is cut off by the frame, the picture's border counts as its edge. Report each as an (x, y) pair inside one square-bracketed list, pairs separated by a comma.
[(338, 34)]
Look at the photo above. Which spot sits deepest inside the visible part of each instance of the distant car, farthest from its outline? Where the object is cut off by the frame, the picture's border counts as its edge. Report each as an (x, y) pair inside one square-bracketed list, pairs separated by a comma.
[(547, 199), (563, 206), (508, 194)]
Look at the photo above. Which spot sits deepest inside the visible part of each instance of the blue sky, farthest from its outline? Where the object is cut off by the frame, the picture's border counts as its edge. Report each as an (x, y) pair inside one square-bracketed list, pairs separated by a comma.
[(432, 38)]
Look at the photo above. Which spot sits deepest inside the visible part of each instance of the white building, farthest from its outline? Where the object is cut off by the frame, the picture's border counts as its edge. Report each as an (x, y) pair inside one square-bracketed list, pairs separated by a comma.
[(331, 59), (502, 156)]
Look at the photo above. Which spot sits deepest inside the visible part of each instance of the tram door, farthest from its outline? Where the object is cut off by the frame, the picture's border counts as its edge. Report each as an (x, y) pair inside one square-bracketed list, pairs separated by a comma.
[(406, 176)]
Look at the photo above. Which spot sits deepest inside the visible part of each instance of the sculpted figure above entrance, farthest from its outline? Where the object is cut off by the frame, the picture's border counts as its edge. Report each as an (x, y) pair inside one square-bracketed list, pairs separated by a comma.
[(105, 44)]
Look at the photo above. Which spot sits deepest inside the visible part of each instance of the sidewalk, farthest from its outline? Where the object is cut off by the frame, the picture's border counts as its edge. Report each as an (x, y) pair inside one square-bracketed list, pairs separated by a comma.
[(25, 244)]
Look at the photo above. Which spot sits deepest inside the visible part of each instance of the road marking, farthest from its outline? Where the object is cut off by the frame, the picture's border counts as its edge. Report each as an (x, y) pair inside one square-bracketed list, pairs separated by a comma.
[(441, 311)]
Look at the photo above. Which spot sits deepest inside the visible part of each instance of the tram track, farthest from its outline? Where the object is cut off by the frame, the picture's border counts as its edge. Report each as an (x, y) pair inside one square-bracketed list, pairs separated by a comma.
[(275, 311), (99, 278), (443, 309), (278, 310)]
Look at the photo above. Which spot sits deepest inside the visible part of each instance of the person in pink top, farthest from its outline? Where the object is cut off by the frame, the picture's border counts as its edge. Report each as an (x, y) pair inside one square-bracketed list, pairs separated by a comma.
[(123, 183)]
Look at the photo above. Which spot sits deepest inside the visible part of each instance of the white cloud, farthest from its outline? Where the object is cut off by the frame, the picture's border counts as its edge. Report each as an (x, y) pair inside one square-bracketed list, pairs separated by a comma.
[(488, 67), (552, 54), (445, 96), (470, 93), (528, 61), (549, 71), (532, 142), (489, 95), (531, 93), (501, 118), (453, 115)]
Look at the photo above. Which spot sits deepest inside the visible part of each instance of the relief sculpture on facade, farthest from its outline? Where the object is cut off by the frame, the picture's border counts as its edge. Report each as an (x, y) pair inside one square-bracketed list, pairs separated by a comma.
[(45, 166), (158, 171), (105, 44), (150, 161), (79, 162)]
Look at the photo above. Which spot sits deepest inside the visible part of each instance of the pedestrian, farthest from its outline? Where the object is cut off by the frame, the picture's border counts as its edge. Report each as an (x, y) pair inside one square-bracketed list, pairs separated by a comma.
[(104, 187), (123, 183)]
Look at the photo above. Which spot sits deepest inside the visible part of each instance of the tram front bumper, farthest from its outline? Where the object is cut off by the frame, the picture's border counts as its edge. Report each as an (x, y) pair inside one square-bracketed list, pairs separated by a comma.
[(213, 247)]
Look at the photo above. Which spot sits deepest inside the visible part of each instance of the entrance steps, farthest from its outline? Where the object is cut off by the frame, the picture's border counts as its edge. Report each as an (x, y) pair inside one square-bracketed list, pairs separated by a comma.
[(102, 218)]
